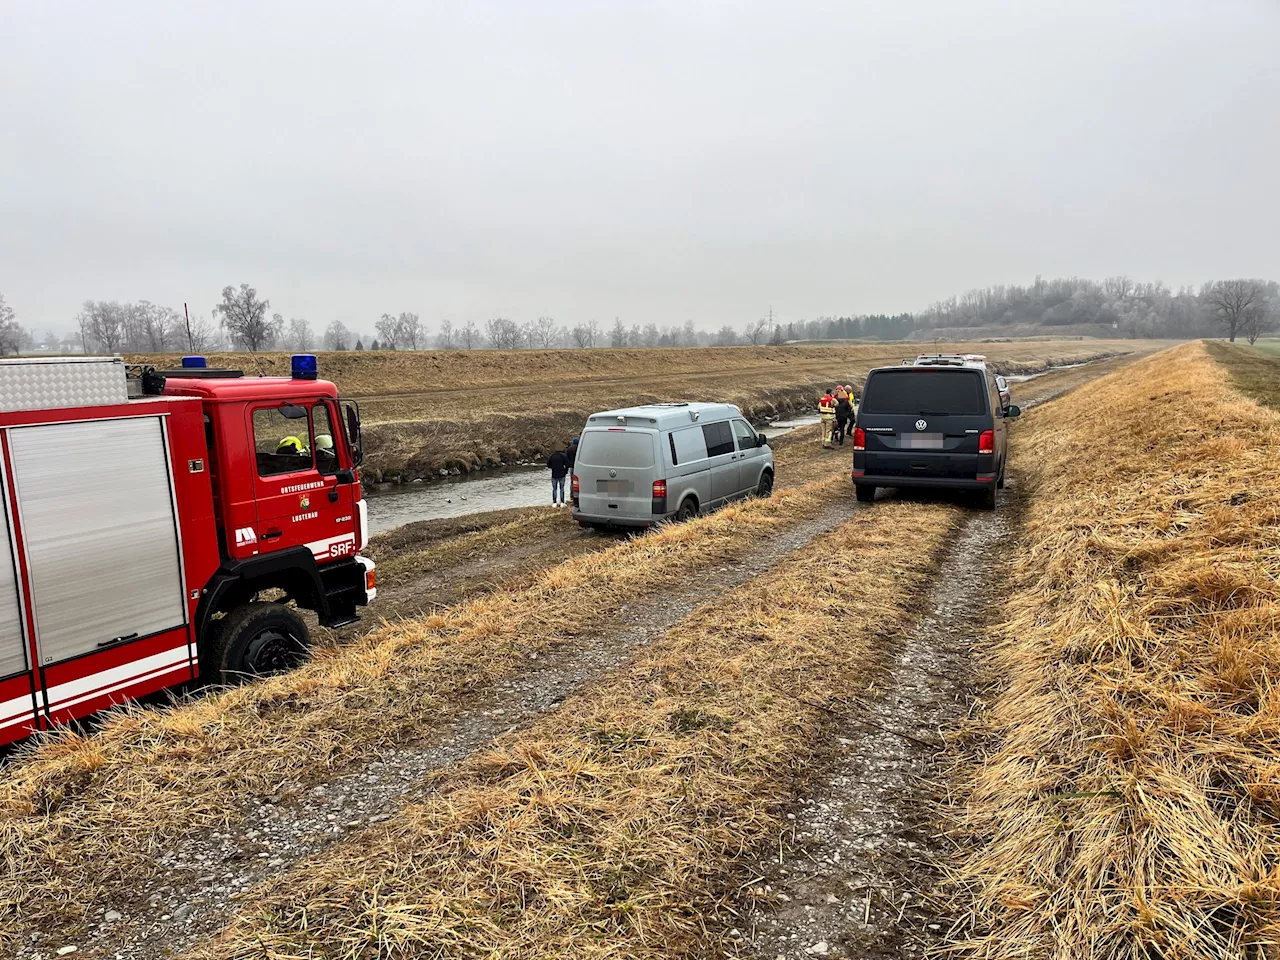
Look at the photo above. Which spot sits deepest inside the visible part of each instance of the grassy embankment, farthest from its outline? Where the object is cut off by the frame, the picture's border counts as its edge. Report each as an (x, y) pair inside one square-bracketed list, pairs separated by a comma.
[(1123, 796), (613, 826), (83, 816), (462, 410)]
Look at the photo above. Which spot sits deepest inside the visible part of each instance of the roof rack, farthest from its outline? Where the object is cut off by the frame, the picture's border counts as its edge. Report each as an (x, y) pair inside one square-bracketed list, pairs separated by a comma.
[(202, 373)]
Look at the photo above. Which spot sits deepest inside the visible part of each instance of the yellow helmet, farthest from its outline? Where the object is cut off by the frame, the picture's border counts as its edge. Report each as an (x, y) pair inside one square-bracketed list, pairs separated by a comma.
[(290, 445), (324, 442)]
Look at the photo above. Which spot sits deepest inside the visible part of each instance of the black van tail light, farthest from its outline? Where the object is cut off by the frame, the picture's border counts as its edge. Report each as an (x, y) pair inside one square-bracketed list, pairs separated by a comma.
[(575, 485), (987, 442), (859, 439)]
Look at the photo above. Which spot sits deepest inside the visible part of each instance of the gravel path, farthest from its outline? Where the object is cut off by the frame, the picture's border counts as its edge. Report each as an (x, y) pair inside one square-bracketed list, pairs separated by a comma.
[(856, 877), (850, 883), (200, 881)]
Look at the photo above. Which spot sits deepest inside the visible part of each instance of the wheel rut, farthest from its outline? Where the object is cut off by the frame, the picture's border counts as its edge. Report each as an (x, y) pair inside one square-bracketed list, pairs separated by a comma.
[(852, 880), (199, 882)]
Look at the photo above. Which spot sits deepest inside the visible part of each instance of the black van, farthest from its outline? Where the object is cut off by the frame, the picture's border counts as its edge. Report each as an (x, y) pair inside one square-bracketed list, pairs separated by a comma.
[(936, 425)]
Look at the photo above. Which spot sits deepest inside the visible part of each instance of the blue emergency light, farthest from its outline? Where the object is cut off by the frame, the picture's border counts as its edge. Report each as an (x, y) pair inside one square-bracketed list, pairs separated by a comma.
[(304, 366), (189, 362)]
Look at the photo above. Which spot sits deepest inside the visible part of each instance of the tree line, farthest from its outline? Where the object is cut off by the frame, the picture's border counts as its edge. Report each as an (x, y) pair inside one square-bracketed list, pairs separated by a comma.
[(1243, 307), (1116, 306)]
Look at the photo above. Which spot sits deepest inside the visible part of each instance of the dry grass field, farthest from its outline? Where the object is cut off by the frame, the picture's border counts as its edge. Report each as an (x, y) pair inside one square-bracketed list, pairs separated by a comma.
[(84, 815), (609, 828), (1114, 796), (462, 410), (1123, 795)]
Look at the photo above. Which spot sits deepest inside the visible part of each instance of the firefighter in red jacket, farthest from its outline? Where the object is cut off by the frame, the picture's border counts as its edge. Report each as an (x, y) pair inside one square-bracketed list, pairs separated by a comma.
[(827, 415)]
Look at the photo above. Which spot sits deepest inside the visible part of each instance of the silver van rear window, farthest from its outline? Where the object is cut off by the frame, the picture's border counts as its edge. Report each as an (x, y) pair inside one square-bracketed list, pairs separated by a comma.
[(616, 448)]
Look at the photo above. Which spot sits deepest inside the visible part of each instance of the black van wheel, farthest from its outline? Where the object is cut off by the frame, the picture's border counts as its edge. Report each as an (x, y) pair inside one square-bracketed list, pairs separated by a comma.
[(987, 499), (766, 484), (864, 492), (688, 510), (256, 640)]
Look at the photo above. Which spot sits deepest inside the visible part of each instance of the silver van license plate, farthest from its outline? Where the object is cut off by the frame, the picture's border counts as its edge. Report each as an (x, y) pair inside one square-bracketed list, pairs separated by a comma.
[(613, 486), (921, 441)]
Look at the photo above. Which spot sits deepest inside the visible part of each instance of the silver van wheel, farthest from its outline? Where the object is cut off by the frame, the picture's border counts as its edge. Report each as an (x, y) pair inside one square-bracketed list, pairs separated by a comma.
[(688, 510), (766, 484)]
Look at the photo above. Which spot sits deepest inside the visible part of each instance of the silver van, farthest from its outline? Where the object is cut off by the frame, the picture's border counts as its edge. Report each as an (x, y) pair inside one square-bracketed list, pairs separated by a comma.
[(642, 465)]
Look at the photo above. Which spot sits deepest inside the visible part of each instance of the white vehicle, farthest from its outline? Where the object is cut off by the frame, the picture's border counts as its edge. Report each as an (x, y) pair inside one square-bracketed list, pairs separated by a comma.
[(642, 465)]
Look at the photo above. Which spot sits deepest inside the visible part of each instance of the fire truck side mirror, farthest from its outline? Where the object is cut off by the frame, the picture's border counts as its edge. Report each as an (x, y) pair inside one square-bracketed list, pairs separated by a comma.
[(353, 433), (345, 476)]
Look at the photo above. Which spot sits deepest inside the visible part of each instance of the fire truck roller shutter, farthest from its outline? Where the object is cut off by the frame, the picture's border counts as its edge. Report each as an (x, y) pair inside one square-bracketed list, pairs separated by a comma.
[(97, 519)]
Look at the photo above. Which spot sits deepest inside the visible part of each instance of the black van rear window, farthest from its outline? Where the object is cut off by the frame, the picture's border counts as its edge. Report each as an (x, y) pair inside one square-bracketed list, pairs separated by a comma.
[(913, 390)]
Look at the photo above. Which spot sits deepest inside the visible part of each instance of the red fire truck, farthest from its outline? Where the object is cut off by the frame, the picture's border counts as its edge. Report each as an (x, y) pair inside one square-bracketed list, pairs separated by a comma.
[(166, 527)]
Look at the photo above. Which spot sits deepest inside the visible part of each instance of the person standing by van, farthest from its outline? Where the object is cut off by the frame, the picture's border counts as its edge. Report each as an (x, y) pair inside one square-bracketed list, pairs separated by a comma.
[(827, 415), (559, 464), (844, 413)]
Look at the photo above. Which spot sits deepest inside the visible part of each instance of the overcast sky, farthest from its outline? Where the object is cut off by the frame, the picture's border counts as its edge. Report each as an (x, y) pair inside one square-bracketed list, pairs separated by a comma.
[(654, 161)]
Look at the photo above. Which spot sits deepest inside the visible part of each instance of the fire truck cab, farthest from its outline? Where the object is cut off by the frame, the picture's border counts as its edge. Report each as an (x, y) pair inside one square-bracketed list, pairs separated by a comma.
[(167, 528)]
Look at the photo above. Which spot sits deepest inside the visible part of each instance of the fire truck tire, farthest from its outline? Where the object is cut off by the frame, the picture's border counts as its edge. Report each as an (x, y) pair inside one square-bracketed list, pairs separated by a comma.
[(256, 640)]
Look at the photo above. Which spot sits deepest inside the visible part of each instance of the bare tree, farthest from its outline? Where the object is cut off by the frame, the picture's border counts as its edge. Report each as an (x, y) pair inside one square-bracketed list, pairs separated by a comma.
[(151, 327), (10, 331), (197, 332), (649, 336), (689, 335), (1261, 319), (388, 328), (503, 334), (617, 333), (337, 336), (445, 340), (244, 317), (1118, 288), (1232, 301), (469, 335), (409, 331), (585, 335), (756, 332), (544, 333), (102, 326), (299, 335), (726, 336)]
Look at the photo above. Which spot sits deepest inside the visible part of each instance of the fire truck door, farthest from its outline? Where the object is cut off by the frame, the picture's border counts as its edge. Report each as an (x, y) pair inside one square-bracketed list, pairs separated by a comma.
[(17, 689), (296, 478)]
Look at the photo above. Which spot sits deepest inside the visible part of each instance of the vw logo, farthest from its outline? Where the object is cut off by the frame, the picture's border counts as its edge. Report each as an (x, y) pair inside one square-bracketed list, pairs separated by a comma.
[(920, 424), (613, 473)]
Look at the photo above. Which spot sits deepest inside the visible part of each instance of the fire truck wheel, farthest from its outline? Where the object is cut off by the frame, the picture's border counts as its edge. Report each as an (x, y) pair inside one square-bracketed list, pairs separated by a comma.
[(258, 640)]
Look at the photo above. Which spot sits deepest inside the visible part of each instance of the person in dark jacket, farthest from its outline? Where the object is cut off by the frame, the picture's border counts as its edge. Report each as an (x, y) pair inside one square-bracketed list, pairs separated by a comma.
[(559, 464), (844, 413), (571, 452)]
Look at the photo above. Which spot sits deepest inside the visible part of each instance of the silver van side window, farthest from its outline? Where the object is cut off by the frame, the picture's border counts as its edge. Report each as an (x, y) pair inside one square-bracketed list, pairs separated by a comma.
[(746, 435), (719, 438), (689, 444)]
